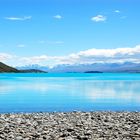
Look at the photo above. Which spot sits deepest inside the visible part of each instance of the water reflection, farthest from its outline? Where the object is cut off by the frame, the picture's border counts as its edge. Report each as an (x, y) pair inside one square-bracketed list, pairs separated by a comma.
[(67, 94), (120, 90)]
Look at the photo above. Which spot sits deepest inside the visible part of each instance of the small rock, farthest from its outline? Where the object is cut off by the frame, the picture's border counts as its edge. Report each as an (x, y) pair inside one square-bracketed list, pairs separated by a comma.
[(70, 129), (19, 138)]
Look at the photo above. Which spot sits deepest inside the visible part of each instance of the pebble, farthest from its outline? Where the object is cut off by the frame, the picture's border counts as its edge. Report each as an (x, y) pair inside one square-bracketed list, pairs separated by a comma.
[(71, 126)]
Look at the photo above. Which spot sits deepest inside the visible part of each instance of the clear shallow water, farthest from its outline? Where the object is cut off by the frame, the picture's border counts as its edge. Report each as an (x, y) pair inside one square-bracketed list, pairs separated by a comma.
[(68, 92)]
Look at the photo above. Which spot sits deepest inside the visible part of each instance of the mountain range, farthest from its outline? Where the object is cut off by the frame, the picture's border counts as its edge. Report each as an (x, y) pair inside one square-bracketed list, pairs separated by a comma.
[(83, 68), (88, 68)]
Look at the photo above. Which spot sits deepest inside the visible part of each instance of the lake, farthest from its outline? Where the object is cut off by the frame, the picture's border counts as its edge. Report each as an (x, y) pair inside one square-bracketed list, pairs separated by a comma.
[(46, 92)]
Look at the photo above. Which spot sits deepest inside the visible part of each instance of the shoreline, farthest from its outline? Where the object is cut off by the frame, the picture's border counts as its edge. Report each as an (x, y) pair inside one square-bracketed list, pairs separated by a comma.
[(70, 126)]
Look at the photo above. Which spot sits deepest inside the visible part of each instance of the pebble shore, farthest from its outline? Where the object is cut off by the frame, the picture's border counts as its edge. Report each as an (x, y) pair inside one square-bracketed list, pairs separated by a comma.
[(70, 126)]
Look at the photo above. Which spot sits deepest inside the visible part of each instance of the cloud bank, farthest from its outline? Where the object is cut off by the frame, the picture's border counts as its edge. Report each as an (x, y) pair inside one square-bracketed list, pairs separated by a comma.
[(118, 55)]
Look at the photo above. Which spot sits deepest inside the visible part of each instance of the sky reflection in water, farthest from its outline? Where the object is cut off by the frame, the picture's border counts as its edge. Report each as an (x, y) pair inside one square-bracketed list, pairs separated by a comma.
[(36, 94)]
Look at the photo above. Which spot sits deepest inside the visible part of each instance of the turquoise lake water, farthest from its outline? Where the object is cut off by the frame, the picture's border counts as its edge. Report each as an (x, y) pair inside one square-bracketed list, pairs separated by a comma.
[(69, 92)]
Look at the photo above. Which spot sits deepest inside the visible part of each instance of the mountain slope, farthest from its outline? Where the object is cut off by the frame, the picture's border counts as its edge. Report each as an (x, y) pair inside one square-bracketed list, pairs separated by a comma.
[(6, 68)]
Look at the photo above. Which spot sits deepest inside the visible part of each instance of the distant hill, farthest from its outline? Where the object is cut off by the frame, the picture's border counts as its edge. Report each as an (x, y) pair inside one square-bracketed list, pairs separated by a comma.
[(93, 72), (5, 68), (32, 71), (33, 67)]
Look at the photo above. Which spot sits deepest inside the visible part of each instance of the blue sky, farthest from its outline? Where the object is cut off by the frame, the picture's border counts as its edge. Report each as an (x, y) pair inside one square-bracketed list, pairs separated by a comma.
[(41, 31)]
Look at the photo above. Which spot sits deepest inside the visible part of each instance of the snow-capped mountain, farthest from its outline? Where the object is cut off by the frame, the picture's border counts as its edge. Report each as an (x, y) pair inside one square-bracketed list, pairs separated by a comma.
[(98, 67)]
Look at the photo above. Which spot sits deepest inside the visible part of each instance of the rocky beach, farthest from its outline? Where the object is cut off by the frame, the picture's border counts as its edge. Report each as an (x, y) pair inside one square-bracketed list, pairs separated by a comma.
[(70, 126)]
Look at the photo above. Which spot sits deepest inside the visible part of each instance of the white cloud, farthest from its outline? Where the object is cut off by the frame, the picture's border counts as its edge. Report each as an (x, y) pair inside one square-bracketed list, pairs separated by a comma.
[(50, 42), (58, 16), (19, 18), (117, 11), (21, 45), (34, 59), (109, 55), (5, 56), (99, 18), (118, 55)]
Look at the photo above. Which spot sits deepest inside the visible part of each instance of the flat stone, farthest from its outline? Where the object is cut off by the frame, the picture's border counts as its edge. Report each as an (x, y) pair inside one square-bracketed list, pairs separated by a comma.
[(19, 138)]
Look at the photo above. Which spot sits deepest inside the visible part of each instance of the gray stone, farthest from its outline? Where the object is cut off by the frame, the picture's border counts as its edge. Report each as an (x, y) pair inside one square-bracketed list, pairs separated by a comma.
[(19, 138)]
